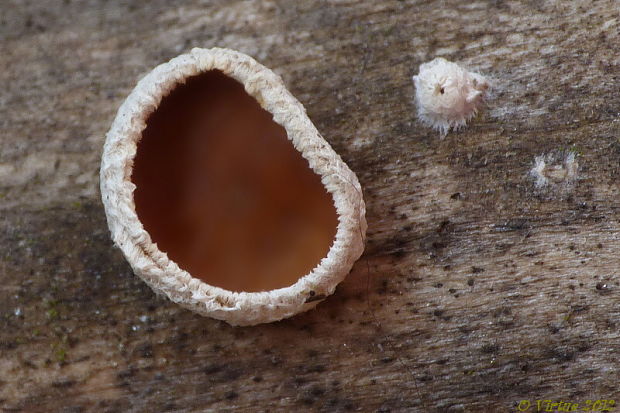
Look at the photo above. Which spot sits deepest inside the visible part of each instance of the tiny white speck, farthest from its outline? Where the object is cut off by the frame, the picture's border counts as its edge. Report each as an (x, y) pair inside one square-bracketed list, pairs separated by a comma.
[(17, 312)]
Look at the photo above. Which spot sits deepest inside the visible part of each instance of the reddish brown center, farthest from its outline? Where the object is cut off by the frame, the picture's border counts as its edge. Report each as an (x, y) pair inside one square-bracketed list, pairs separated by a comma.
[(224, 193)]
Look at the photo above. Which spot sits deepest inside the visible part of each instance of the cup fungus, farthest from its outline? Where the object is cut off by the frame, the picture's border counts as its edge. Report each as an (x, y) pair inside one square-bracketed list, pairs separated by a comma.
[(447, 95), (223, 196)]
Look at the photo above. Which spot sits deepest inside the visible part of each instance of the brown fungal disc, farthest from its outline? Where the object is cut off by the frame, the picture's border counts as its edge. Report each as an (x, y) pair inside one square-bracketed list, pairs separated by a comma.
[(221, 189), (223, 196)]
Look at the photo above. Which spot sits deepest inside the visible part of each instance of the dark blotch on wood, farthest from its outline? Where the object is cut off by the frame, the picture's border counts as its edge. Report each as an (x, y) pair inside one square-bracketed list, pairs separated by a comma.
[(145, 350), (213, 368), (315, 297), (562, 354), (511, 225), (489, 348), (316, 368), (399, 253), (63, 383), (232, 374), (603, 288), (317, 391), (231, 395), (124, 374), (312, 353)]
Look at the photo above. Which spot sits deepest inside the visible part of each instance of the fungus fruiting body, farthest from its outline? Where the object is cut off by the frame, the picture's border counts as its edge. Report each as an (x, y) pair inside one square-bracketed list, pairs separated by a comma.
[(555, 170), (447, 95), (222, 191), (223, 196)]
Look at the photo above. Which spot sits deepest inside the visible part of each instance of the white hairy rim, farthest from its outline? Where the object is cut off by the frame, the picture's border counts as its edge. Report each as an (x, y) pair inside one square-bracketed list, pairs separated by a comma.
[(164, 275)]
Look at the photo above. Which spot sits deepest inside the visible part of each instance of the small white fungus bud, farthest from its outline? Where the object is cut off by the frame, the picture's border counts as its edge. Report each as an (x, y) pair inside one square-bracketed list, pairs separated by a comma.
[(555, 170), (447, 95)]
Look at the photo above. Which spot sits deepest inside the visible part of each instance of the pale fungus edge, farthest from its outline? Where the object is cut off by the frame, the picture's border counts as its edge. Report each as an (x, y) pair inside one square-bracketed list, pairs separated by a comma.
[(161, 273)]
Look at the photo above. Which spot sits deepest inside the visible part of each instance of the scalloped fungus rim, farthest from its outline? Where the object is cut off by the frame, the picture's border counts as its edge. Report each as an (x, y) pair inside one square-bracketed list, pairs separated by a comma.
[(161, 273)]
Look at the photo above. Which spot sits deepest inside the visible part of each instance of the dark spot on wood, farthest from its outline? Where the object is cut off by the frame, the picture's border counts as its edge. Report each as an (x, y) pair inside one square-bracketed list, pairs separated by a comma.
[(299, 381), (489, 348), (307, 400), (64, 383), (316, 368), (124, 374), (315, 297), (145, 350), (444, 226), (73, 409), (470, 282), (515, 224), (312, 353), (213, 368), (8, 345), (316, 391), (579, 308), (399, 253), (603, 288), (232, 374), (562, 354), (231, 395)]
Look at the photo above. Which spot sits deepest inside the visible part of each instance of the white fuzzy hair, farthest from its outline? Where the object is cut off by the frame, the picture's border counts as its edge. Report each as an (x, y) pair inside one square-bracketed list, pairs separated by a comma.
[(447, 95)]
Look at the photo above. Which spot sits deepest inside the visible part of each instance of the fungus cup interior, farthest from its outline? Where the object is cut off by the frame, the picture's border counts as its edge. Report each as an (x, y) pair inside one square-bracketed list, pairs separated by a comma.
[(222, 191)]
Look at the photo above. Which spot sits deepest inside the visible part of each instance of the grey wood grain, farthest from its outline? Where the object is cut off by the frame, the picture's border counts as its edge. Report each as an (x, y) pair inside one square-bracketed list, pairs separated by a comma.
[(477, 289)]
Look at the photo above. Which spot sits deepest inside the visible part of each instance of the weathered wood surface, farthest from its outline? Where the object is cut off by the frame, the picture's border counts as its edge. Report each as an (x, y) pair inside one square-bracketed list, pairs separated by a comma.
[(476, 291)]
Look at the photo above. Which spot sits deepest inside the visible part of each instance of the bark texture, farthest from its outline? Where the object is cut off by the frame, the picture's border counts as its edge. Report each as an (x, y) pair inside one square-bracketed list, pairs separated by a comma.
[(477, 289)]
